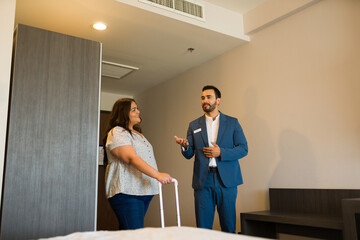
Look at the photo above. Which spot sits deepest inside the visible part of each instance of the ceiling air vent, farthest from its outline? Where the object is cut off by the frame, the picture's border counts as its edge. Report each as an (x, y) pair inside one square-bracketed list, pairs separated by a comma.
[(183, 7), (116, 70), (189, 8), (166, 3)]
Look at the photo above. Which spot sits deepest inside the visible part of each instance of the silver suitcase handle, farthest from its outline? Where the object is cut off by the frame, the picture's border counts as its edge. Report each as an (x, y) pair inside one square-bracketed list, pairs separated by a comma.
[(177, 203)]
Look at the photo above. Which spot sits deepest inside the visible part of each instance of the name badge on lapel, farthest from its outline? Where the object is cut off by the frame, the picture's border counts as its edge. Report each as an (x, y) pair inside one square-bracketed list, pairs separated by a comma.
[(197, 130)]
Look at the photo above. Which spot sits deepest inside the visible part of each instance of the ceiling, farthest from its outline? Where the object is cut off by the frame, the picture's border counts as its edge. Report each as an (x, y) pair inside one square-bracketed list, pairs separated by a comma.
[(240, 6), (157, 45)]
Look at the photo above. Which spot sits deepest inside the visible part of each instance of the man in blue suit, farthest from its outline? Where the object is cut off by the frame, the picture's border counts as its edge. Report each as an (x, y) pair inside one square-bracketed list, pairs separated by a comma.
[(218, 142)]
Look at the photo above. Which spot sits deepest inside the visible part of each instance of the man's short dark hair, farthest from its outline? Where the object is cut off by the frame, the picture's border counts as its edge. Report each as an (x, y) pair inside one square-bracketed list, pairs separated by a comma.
[(217, 91)]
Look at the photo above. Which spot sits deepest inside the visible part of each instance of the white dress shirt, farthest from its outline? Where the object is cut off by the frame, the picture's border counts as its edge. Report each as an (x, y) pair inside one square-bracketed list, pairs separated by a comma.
[(212, 127)]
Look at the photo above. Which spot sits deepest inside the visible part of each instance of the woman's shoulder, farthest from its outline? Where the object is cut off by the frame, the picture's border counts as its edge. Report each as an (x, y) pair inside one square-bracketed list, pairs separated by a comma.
[(118, 128), (118, 136), (119, 131)]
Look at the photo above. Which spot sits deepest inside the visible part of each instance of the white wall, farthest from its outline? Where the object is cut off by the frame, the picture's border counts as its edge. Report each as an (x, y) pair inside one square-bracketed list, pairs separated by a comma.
[(295, 90), (107, 100), (7, 16)]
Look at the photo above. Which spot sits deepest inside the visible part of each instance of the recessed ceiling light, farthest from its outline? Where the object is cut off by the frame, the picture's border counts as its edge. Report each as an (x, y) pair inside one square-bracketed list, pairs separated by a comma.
[(99, 26)]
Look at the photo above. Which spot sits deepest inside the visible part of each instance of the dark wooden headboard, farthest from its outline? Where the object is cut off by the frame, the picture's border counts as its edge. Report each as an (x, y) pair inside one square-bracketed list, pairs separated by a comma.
[(314, 201)]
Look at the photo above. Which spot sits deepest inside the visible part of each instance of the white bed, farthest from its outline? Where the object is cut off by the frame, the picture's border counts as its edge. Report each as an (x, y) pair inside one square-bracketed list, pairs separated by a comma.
[(168, 233)]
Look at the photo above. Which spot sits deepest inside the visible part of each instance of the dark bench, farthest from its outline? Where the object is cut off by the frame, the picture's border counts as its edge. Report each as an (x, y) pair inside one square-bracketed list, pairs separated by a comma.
[(351, 217), (305, 212)]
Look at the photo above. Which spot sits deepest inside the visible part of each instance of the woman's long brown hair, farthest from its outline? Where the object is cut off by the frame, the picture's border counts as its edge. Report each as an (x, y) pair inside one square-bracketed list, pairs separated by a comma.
[(119, 116)]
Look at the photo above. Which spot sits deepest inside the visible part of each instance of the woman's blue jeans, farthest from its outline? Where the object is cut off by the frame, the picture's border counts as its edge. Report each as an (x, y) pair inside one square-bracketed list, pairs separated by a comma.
[(130, 210)]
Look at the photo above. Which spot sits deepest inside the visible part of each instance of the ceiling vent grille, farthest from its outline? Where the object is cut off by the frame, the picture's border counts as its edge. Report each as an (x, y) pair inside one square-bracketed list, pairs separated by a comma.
[(183, 7), (116, 70), (166, 3), (189, 8)]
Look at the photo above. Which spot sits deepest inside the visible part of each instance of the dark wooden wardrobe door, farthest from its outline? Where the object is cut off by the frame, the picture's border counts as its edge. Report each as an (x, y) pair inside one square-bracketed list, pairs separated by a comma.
[(50, 183)]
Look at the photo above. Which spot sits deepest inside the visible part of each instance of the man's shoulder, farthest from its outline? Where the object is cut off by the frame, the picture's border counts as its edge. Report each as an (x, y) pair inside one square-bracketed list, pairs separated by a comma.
[(195, 122), (227, 117)]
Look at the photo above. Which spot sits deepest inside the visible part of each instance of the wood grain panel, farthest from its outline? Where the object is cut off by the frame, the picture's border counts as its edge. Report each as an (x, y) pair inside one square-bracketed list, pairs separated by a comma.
[(351, 217), (51, 159), (104, 119), (315, 201), (106, 218)]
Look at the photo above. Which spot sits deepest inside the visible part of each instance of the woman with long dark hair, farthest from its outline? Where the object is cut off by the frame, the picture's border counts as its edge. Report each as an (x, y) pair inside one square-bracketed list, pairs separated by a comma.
[(131, 173)]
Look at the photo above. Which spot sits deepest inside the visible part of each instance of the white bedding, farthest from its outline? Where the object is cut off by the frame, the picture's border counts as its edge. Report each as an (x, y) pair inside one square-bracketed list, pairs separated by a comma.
[(168, 233)]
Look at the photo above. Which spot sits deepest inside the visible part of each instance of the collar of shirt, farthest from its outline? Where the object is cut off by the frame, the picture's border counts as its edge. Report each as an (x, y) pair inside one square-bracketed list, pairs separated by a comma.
[(210, 119), (212, 127)]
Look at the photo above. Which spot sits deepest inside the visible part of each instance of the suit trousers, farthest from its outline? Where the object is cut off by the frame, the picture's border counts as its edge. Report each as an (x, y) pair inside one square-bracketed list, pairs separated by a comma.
[(214, 193)]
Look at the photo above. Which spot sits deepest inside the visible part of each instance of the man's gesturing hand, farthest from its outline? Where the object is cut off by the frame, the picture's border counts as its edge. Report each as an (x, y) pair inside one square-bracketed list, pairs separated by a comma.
[(182, 141)]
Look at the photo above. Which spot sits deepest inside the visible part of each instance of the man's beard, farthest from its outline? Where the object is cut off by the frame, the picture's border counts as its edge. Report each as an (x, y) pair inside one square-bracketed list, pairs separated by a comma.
[(210, 109)]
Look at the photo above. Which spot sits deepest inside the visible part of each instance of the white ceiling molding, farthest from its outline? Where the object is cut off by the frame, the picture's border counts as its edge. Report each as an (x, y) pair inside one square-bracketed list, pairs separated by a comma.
[(218, 19), (187, 8)]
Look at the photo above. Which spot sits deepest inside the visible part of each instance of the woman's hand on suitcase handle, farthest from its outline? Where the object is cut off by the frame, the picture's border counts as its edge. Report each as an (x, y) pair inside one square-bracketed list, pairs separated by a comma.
[(164, 178)]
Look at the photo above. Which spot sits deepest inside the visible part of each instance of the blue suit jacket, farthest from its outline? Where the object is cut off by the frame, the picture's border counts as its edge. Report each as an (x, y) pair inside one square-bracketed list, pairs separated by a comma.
[(233, 145)]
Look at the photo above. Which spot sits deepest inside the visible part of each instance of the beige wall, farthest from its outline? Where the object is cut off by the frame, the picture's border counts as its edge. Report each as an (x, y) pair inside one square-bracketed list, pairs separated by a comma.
[(295, 89), (7, 16)]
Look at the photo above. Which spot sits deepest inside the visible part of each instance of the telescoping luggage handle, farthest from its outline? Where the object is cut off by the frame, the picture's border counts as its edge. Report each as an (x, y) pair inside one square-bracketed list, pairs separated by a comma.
[(177, 203)]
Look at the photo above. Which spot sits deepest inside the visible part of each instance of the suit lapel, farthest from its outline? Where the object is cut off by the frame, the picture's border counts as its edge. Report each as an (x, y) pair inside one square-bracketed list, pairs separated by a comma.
[(204, 131), (222, 127)]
